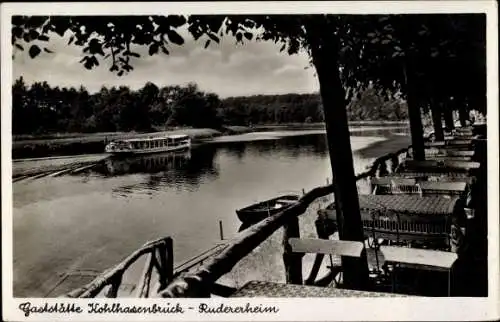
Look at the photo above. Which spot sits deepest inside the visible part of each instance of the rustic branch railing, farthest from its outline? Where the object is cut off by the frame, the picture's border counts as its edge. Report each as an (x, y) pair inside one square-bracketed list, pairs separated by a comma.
[(160, 256)]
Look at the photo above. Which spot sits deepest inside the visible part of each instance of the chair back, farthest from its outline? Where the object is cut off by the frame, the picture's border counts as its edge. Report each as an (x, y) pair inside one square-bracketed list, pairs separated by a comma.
[(383, 185), (395, 185), (405, 189), (406, 227)]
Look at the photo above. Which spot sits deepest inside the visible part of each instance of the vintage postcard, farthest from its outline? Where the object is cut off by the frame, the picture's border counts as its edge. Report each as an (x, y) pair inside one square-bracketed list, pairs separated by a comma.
[(235, 161)]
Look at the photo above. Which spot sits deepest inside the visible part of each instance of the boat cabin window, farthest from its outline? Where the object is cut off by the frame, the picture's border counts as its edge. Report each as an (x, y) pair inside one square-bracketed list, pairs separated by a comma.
[(121, 144), (152, 143)]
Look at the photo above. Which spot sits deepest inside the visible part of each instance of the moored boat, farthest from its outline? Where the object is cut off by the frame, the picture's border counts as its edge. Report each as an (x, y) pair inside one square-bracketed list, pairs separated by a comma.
[(258, 211), (149, 145)]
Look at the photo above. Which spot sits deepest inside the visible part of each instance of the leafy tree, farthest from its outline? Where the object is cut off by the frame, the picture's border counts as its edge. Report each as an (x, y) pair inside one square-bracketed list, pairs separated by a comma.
[(19, 106), (430, 58), (43, 109), (149, 108)]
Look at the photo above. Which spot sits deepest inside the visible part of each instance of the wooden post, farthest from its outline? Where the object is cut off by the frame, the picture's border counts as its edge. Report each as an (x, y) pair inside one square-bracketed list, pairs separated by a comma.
[(322, 225), (221, 231), (448, 118), (437, 122), (143, 286), (383, 169), (463, 114), (166, 262), (394, 162), (115, 285), (292, 261), (324, 53)]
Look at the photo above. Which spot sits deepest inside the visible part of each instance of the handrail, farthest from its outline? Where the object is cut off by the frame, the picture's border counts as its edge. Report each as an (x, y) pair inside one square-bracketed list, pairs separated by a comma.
[(197, 284)]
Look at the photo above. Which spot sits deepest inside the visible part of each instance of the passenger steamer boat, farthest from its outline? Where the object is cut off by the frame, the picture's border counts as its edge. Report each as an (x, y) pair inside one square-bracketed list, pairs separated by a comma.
[(149, 145)]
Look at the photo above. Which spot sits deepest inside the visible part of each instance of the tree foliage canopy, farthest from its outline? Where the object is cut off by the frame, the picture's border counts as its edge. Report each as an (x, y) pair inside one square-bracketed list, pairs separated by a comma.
[(443, 54)]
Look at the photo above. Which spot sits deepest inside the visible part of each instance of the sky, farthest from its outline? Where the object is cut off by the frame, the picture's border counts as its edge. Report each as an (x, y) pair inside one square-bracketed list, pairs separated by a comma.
[(227, 69)]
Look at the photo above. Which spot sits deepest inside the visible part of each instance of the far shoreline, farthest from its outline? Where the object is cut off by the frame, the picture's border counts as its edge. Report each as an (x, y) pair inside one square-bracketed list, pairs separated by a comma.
[(68, 144)]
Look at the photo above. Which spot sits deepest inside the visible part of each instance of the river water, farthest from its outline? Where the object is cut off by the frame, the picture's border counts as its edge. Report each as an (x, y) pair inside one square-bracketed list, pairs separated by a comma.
[(93, 219)]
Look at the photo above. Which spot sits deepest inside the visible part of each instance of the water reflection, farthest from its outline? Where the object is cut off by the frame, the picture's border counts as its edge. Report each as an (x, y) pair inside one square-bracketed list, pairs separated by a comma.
[(201, 162), (178, 171), (236, 149), (189, 163), (151, 163)]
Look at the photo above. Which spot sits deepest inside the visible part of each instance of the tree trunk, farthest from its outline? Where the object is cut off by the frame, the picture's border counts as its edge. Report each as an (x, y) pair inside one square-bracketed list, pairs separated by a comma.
[(416, 128), (324, 55), (437, 122), (463, 115), (448, 118)]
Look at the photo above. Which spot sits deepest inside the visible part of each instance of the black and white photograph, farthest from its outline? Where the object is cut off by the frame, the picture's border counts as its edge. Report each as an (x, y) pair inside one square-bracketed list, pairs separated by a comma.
[(257, 151)]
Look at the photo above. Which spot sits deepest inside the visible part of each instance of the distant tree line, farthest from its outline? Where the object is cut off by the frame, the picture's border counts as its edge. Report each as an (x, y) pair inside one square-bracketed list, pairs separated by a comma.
[(40, 108)]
